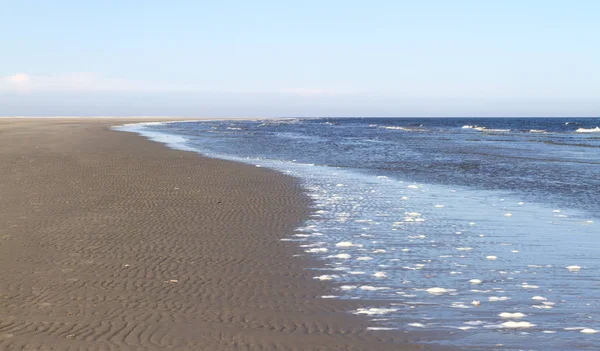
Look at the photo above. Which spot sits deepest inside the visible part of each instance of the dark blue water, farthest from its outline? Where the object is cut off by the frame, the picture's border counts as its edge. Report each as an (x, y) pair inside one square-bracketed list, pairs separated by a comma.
[(484, 230), (558, 165)]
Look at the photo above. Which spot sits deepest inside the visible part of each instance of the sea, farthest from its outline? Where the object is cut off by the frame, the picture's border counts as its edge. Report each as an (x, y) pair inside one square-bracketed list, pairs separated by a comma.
[(484, 231)]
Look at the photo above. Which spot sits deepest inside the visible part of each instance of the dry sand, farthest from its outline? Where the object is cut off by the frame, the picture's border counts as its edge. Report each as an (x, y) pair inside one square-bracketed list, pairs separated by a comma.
[(112, 242)]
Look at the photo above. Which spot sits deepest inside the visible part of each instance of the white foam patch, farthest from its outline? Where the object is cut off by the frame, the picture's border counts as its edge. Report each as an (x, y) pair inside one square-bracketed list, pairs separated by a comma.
[(348, 287), (364, 258), (498, 298), (474, 323), (373, 288), (329, 297), (528, 286), (341, 256), (574, 268), (317, 250), (380, 275), (589, 331), (438, 291), (416, 325), (539, 298), (475, 281), (459, 305), (326, 277), (313, 245), (381, 328), (374, 311), (465, 328), (346, 244), (509, 315), (517, 325), (491, 258)]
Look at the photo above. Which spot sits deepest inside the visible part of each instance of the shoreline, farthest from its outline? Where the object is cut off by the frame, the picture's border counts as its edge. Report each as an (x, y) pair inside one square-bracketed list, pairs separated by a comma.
[(85, 212)]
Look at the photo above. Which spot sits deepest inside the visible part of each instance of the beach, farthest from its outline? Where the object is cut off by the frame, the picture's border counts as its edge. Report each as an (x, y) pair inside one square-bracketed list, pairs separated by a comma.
[(109, 241)]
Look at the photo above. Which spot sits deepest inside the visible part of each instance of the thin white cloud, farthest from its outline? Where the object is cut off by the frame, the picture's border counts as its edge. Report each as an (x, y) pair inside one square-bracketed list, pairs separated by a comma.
[(92, 82), (78, 82)]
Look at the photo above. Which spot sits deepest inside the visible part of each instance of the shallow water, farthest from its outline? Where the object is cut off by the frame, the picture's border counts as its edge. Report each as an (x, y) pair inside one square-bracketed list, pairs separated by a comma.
[(485, 229)]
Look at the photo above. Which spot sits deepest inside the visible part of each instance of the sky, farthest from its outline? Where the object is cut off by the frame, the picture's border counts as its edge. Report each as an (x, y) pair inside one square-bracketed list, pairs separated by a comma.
[(275, 58)]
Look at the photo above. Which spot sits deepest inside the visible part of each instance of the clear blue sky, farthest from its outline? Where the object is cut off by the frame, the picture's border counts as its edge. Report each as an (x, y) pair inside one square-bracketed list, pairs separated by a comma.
[(290, 58)]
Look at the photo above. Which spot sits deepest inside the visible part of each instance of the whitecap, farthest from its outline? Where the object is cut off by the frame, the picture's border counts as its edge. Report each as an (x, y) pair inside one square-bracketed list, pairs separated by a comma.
[(574, 268), (517, 325), (380, 275), (588, 130)]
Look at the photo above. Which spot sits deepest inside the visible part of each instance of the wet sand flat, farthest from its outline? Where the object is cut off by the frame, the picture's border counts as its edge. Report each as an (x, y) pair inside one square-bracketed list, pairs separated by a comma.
[(111, 242)]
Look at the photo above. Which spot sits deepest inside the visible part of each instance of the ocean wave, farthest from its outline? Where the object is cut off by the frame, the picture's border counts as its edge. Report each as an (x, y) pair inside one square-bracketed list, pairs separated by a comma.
[(484, 129), (588, 130), (404, 129)]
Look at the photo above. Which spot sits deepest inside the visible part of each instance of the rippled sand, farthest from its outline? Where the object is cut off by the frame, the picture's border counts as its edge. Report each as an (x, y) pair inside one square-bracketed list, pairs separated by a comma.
[(111, 242)]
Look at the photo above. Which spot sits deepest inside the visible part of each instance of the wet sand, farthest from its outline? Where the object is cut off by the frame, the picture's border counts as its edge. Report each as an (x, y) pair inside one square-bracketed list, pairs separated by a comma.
[(111, 242)]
